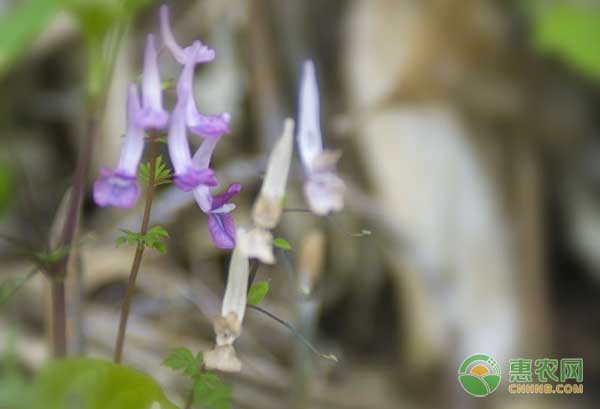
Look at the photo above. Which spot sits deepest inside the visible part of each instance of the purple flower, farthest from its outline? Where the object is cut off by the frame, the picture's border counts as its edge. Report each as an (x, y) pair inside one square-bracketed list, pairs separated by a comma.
[(220, 221), (201, 160), (324, 189), (117, 189), (194, 174), (152, 116), (120, 187), (187, 176), (197, 53), (209, 126)]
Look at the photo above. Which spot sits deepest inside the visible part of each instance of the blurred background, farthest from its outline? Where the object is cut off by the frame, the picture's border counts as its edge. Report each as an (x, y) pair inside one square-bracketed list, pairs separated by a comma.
[(471, 152)]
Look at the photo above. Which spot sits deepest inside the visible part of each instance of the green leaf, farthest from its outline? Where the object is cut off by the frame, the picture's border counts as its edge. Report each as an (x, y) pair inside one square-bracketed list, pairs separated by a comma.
[(162, 174), (160, 246), (570, 30), (183, 359), (153, 238), (210, 392), (257, 292), (179, 358), (282, 243), (20, 26), (158, 231), (94, 384)]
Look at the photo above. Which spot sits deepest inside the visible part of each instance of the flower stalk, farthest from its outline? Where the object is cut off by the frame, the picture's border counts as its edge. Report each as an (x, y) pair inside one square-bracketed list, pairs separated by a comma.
[(139, 252), (57, 271)]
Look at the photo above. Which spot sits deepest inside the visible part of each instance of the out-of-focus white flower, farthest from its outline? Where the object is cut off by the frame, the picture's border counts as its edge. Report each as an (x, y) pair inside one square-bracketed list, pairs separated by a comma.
[(311, 260), (228, 327), (222, 358), (324, 190), (267, 208), (234, 300), (257, 243)]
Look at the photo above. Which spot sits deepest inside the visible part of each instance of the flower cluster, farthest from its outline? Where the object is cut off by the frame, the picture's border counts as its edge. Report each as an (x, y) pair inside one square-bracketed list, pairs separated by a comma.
[(324, 191), (120, 187), (257, 243)]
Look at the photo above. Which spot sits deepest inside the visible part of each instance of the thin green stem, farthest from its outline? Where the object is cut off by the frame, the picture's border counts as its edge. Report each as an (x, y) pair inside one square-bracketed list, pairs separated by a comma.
[(294, 331), (137, 259)]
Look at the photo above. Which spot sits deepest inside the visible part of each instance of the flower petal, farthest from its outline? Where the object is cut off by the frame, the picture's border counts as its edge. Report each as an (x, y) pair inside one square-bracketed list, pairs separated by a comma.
[(191, 178), (234, 300), (203, 155), (222, 230), (168, 38), (309, 127), (203, 198), (220, 199), (324, 192), (208, 126), (133, 144), (153, 115), (179, 148), (222, 358), (257, 243), (196, 53), (267, 208), (116, 189)]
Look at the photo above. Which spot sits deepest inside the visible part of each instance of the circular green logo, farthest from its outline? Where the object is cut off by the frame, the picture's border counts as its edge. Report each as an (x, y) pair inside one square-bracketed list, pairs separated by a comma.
[(479, 375)]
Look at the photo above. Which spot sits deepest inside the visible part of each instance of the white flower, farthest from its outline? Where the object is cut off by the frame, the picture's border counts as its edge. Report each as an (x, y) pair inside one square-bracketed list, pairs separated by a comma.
[(324, 190), (222, 358), (267, 208), (234, 300), (257, 243)]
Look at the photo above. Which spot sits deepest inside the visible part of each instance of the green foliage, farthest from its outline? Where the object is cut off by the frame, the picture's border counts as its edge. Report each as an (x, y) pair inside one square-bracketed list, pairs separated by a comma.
[(257, 292), (570, 30), (153, 238), (20, 26), (94, 16), (183, 359), (282, 243), (94, 384), (97, 16), (7, 177), (162, 174), (47, 257), (13, 385), (103, 23), (209, 391)]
